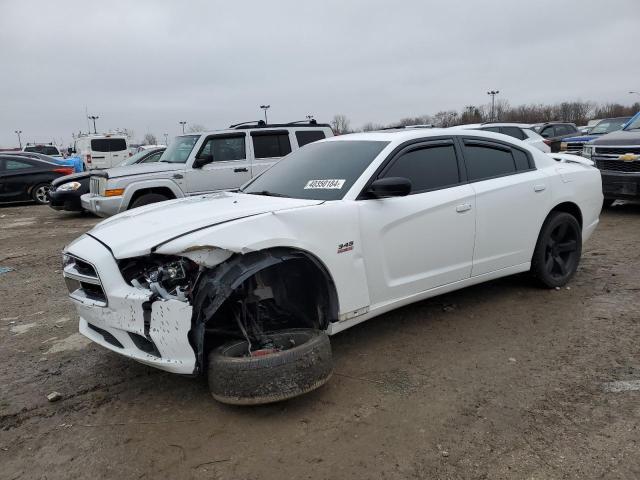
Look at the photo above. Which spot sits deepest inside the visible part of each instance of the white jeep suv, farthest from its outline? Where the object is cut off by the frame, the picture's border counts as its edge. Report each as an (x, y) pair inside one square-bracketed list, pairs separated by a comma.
[(200, 163)]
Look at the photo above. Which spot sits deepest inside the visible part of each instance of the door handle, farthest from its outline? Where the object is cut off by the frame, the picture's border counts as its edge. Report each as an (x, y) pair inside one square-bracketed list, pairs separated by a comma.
[(238, 170), (539, 188), (178, 176), (465, 207)]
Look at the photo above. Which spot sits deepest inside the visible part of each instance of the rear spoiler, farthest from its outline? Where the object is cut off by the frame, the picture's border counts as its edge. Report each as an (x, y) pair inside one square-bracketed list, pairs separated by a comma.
[(569, 158)]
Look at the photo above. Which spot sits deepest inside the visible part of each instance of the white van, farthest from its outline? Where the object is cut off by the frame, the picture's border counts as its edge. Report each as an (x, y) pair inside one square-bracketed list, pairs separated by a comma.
[(102, 150)]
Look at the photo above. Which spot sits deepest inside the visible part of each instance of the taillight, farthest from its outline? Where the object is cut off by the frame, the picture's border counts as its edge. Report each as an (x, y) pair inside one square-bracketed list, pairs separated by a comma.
[(64, 170), (88, 158)]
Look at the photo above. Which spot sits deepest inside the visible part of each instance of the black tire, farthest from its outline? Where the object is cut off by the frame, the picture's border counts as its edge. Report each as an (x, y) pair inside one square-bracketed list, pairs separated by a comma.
[(40, 193), (237, 379), (148, 199), (608, 202), (558, 250)]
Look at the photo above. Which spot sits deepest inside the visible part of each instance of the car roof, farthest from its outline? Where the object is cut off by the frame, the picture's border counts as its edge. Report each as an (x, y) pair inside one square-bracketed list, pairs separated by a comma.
[(262, 128), (403, 135)]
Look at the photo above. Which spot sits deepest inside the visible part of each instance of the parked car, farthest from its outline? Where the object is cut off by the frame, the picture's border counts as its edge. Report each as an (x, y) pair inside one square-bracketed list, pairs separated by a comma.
[(574, 144), (554, 132), (102, 150), (73, 162), (246, 286), (48, 149), (199, 163), (142, 148), (521, 131), (24, 179), (617, 155), (66, 191)]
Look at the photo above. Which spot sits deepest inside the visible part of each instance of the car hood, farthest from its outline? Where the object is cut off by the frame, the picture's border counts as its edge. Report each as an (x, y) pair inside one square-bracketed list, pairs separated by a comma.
[(74, 177), (584, 138), (620, 137), (136, 232), (143, 168)]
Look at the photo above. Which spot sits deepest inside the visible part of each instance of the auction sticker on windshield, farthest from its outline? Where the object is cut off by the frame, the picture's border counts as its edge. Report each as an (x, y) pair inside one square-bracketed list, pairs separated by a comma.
[(329, 183)]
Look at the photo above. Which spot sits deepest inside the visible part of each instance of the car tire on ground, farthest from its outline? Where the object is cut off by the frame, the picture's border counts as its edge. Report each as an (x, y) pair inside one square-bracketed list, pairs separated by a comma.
[(558, 250), (608, 202), (148, 199), (39, 193), (300, 363)]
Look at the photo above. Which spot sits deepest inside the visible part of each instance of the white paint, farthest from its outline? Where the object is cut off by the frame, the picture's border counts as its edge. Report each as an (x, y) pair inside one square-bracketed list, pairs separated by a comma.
[(24, 328), (622, 386), (72, 342)]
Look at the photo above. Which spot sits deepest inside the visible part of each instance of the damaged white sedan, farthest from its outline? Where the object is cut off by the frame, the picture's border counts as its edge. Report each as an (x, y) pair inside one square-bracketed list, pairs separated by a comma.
[(247, 286)]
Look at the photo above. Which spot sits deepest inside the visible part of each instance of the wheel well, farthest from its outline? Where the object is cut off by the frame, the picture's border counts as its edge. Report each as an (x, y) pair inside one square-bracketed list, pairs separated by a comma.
[(166, 191), (259, 292), (570, 208)]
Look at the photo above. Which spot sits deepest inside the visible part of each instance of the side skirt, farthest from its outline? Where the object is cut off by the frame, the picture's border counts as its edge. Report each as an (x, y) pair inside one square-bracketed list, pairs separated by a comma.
[(450, 287)]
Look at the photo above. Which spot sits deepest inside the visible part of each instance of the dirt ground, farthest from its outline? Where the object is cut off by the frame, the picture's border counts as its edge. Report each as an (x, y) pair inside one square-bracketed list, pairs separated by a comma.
[(502, 380)]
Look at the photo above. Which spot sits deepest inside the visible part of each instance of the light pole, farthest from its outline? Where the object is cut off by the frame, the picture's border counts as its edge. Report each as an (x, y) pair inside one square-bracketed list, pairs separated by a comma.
[(94, 118), (493, 94), (265, 108), (166, 139), (18, 132), (183, 124)]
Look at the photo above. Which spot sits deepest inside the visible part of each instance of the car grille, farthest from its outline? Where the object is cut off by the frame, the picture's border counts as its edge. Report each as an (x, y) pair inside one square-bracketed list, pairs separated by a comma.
[(616, 151), (618, 166), (575, 147), (83, 282), (96, 186)]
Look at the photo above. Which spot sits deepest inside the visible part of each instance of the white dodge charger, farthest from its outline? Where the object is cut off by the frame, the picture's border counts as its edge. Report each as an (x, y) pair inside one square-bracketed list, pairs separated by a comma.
[(247, 286)]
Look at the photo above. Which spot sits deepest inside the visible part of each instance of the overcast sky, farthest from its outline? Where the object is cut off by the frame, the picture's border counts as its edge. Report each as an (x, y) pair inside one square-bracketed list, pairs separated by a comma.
[(146, 65)]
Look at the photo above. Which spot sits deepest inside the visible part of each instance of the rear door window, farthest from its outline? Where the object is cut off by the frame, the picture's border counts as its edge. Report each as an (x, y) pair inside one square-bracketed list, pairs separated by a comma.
[(308, 136), (485, 160), (429, 167), (17, 165), (271, 144)]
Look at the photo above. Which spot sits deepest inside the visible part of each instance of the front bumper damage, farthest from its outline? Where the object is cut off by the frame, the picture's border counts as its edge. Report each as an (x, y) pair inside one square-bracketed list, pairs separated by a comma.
[(126, 319)]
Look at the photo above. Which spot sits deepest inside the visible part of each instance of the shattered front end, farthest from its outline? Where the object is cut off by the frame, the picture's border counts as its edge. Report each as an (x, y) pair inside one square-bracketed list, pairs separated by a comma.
[(135, 307)]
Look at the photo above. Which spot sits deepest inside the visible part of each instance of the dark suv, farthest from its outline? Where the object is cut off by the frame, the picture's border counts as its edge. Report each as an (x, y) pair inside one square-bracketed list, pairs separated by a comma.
[(554, 132), (617, 155)]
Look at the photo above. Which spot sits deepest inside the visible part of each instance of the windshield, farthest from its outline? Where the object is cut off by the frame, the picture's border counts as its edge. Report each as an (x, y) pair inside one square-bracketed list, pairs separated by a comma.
[(318, 171), (45, 149), (608, 125), (179, 150), (635, 124), (133, 159)]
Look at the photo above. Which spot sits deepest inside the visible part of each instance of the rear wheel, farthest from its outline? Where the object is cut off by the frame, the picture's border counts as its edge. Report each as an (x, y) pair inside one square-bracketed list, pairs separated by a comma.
[(148, 199), (557, 254), (285, 364), (40, 193)]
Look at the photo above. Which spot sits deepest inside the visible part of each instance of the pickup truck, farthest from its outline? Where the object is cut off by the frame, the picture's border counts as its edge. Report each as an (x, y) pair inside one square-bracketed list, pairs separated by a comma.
[(199, 163), (617, 155)]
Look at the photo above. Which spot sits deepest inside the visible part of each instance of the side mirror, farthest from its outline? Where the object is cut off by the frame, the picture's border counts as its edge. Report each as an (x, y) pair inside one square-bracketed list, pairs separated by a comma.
[(390, 187), (584, 131), (200, 162)]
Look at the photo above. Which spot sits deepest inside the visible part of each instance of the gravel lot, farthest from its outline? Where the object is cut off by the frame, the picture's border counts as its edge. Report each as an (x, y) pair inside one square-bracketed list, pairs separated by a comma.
[(501, 380)]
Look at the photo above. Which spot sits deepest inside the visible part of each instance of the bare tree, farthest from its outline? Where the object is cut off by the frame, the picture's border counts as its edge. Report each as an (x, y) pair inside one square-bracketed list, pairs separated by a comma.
[(370, 127), (340, 124), (196, 127), (150, 139)]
